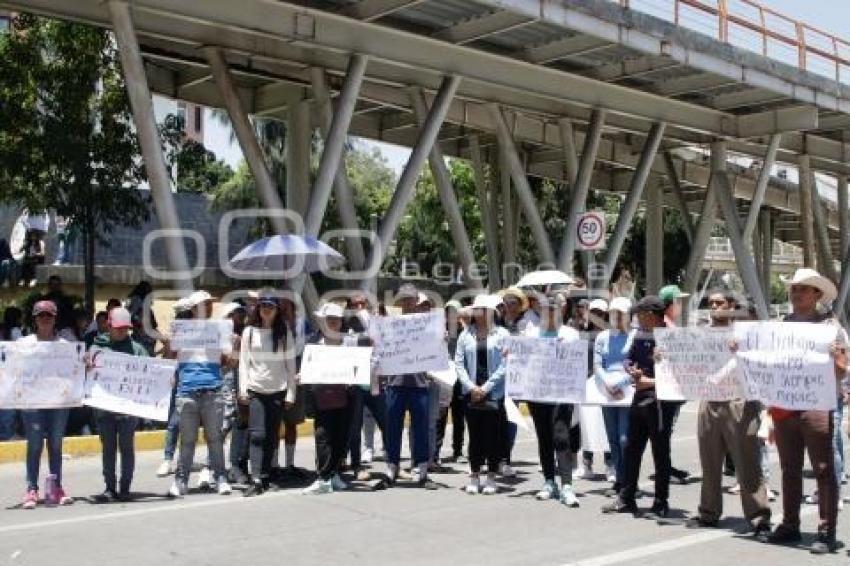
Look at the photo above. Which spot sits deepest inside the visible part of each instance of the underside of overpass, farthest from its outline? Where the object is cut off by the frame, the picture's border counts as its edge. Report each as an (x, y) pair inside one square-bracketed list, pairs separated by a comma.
[(677, 97)]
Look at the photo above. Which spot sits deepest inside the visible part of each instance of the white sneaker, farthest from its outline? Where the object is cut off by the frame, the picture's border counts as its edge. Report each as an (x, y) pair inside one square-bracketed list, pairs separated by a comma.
[(611, 474), (165, 469), (338, 484), (367, 456), (568, 498), (506, 471), (318, 487), (414, 475), (474, 486), (204, 479), (178, 489), (489, 487), (224, 488), (549, 491)]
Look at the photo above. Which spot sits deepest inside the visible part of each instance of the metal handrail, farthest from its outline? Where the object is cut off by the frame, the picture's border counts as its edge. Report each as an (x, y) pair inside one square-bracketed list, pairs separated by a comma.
[(807, 39)]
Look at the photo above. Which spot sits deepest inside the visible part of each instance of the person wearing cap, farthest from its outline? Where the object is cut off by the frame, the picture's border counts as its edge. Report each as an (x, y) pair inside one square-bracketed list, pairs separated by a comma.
[(552, 420), (117, 431), (481, 372), (650, 420), (199, 403), (454, 328), (44, 424), (266, 382), (333, 406), (730, 427), (579, 319), (408, 393), (809, 431), (235, 413), (609, 353)]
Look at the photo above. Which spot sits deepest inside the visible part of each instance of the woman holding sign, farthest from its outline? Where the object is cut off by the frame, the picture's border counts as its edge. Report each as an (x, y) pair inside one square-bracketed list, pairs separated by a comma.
[(481, 371), (551, 420), (266, 382), (44, 424), (812, 431)]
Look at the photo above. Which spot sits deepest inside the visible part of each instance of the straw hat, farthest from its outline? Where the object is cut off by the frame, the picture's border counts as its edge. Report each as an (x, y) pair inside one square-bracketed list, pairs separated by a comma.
[(811, 278), (515, 292)]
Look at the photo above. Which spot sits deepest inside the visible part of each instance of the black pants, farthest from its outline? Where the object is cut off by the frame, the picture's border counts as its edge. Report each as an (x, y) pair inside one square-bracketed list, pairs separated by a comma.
[(653, 423), (265, 414), (552, 425), (332, 432), (458, 409), (485, 439)]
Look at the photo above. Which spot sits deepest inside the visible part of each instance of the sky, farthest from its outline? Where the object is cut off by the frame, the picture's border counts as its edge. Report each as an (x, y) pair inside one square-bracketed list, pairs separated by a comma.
[(831, 16)]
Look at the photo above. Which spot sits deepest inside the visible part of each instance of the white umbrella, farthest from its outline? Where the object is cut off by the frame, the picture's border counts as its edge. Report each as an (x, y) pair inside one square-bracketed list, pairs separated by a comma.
[(304, 254), (543, 278)]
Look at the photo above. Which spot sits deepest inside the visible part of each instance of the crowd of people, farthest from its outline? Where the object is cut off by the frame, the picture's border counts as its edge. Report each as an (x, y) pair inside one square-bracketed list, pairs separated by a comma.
[(248, 389)]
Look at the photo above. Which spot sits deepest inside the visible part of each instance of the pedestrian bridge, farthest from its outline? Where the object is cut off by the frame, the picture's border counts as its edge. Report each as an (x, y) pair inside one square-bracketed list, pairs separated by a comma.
[(687, 104)]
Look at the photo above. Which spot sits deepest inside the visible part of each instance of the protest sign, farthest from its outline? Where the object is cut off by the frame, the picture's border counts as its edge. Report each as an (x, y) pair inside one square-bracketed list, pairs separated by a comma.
[(787, 364), (597, 394), (201, 335), (696, 364), (130, 385), (41, 375), (410, 343), (546, 370), (345, 365)]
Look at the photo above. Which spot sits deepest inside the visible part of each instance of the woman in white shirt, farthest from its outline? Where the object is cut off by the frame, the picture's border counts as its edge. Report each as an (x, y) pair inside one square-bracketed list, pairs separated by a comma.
[(266, 382)]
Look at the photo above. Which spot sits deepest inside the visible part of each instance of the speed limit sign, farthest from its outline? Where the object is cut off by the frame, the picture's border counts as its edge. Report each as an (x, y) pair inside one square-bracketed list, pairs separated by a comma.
[(591, 231)]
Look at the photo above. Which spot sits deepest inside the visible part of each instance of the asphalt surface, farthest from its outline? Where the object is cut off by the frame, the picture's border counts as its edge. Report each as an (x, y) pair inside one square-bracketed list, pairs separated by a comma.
[(402, 525)]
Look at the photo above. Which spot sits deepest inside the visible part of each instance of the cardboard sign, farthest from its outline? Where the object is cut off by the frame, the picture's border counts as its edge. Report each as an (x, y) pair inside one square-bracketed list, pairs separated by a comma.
[(326, 365), (131, 385), (41, 375), (546, 370), (410, 343), (201, 335)]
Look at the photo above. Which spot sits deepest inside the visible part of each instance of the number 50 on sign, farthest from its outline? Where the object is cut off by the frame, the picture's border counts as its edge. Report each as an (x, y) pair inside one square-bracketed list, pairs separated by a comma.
[(591, 231)]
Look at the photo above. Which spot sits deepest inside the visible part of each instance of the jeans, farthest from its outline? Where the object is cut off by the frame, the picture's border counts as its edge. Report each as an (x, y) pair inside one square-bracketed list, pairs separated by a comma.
[(838, 444), (195, 409), (240, 442), (332, 432), (652, 422), (266, 414), (7, 424), (117, 433), (377, 405), (41, 425), (433, 418), (172, 429), (400, 400), (617, 430)]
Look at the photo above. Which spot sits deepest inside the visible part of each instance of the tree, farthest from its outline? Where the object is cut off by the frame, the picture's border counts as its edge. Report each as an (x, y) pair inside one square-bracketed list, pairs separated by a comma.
[(66, 139), (193, 168)]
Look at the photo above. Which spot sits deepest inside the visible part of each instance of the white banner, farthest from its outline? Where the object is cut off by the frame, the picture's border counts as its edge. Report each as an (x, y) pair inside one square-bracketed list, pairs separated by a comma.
[(546, 369), (597, 394), (41, 375), (410, 343), (696, 364), (201, 335), (325, 365), (788, 365), (130, 385)]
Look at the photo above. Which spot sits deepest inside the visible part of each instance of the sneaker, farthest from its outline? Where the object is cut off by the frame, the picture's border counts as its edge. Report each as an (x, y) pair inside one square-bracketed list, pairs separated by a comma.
[(254, 488), (204, 479), (611, 474), (680, 476), (318, 487), (108, 496), (659, 510), (700, 523), (461, 459), (582, 473), (62, 497), (426, 483), (825, 543), (761, 532), (489, 487), (363, 475), (166, 468), (549, 491), (812, 499), (568, 497), (338, 484), (473, 487), (783, 534), (620, 506), (367, 456), (506, 471), (30, 499), (178, 489), (224, 487)]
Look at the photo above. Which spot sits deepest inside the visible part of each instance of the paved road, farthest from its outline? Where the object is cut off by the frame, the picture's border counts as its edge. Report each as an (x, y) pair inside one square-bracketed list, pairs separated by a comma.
[(399, 526)]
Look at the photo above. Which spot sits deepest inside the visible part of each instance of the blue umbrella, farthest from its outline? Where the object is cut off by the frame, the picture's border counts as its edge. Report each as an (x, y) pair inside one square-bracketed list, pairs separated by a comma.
[(288, 253)]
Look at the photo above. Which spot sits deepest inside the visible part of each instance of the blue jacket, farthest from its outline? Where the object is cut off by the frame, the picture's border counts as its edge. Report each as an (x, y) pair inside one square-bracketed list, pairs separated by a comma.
[(465, 361)]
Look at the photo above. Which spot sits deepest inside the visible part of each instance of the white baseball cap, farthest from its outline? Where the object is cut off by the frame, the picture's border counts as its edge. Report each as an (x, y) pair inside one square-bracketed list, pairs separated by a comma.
[(486, 302), (230, 308), (598, 305), (330, 310), (621, 304), (197, 298), (119, 317)]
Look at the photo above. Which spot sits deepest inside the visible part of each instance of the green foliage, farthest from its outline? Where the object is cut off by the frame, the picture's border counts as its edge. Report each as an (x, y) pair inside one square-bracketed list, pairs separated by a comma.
[(193, 168)]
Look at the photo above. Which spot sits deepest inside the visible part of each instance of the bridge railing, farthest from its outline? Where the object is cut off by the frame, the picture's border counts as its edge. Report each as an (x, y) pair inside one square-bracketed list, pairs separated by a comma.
[(749, 25)]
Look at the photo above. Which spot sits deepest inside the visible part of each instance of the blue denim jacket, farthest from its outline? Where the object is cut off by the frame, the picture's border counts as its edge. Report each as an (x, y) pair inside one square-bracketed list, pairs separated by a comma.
[(465, 360)]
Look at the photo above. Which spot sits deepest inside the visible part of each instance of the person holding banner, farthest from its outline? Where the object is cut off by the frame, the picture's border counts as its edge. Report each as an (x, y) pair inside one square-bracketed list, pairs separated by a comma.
[(199, 402), (730, 427), (117, 431), (172, 428), (650, 420), (609, 353), (812, 431), (44, 424), (552, 420), (266, 382), (481, 372)]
